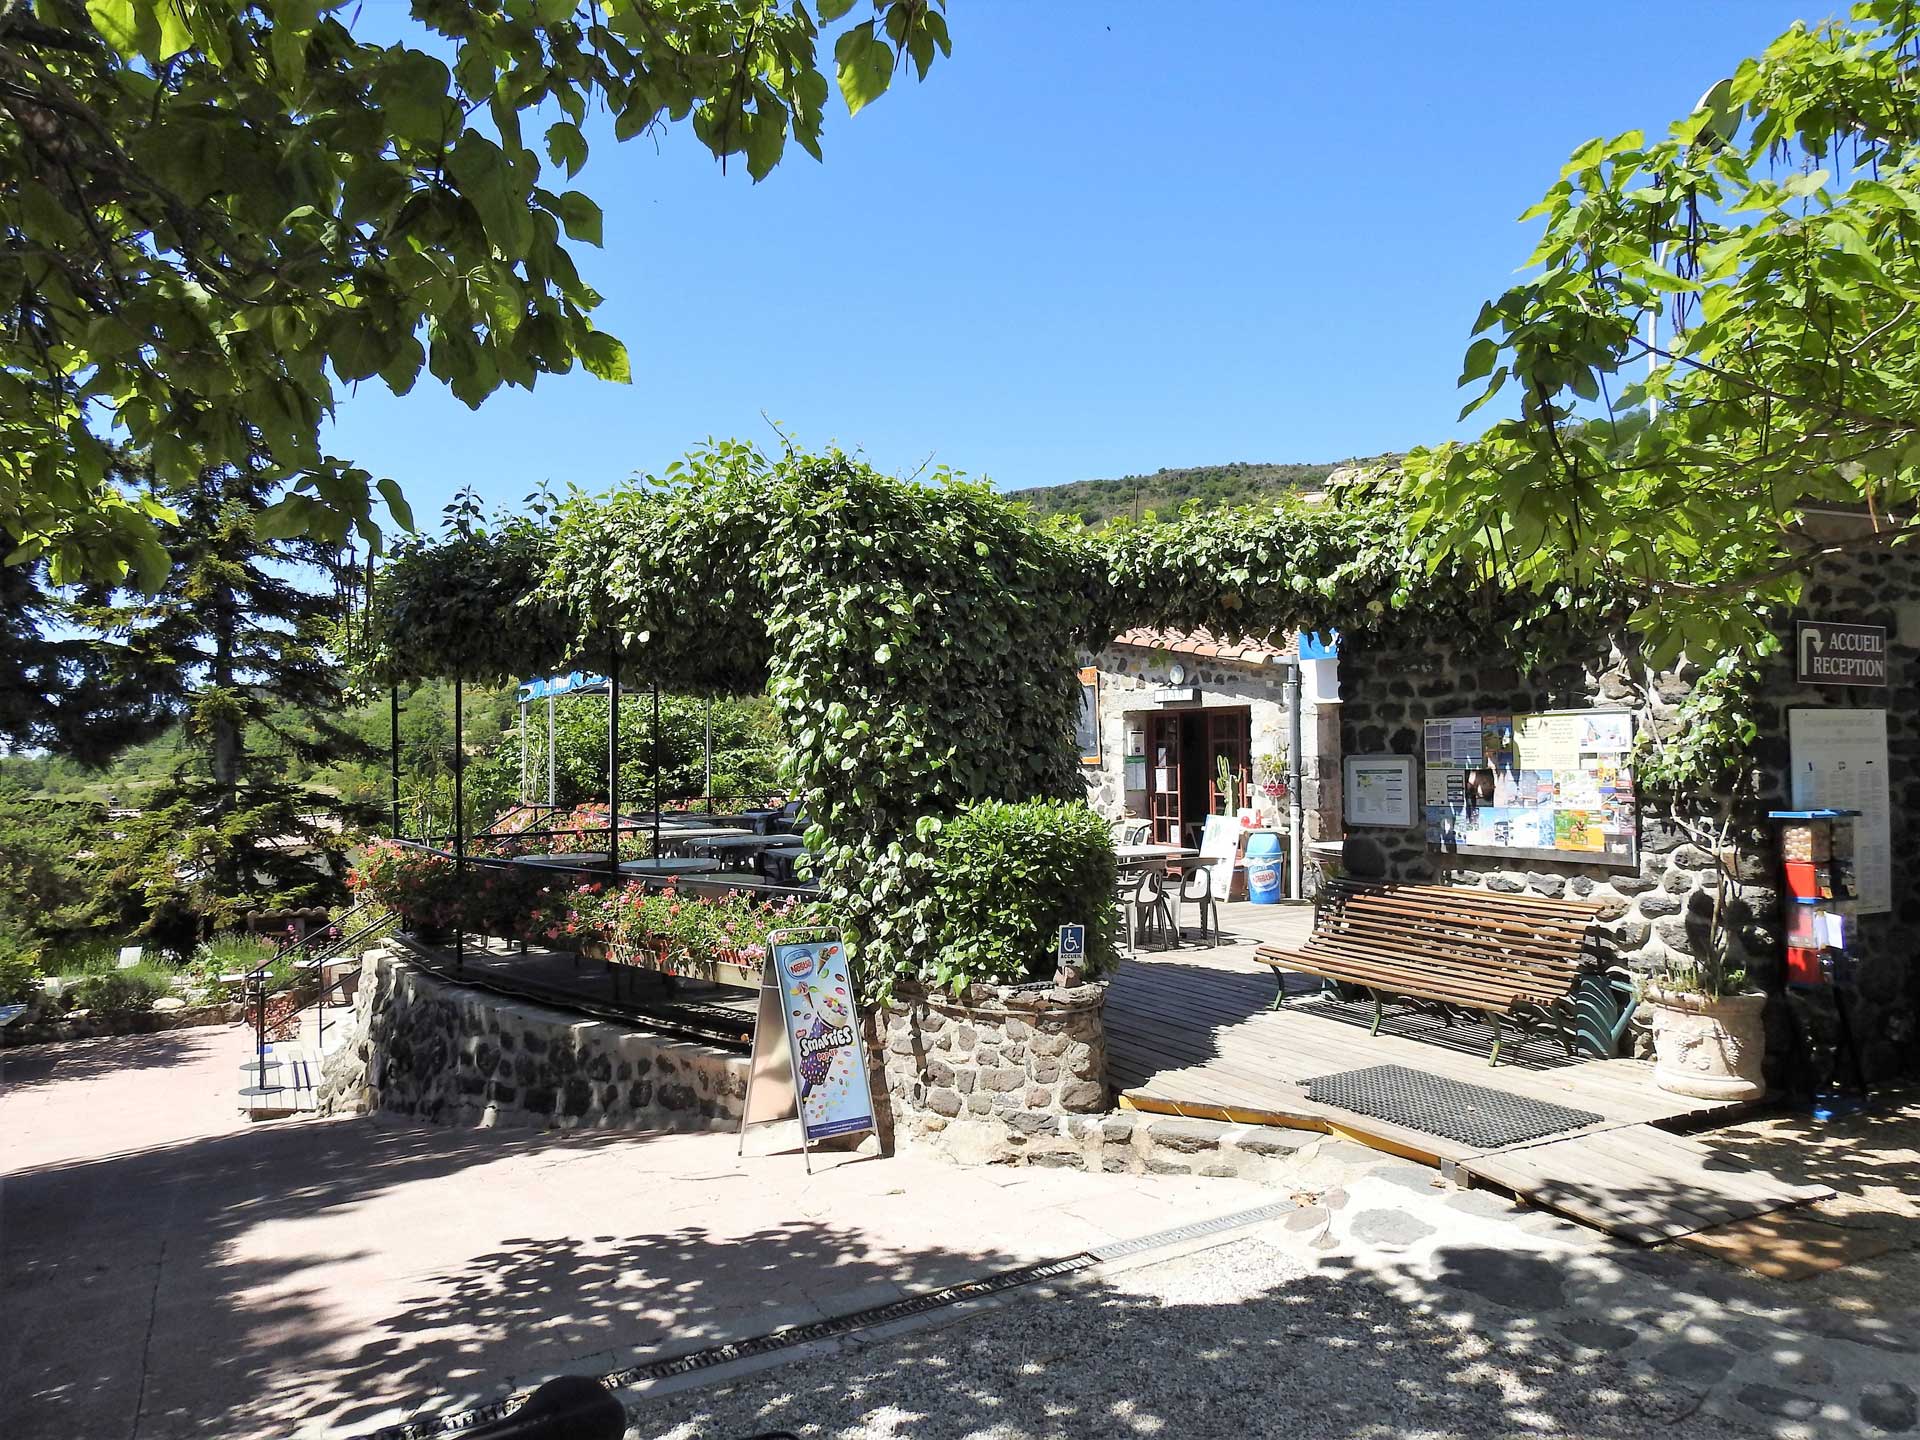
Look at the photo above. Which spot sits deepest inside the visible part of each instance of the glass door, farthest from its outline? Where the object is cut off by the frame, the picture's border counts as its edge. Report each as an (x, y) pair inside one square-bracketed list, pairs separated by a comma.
[(1163, 778)]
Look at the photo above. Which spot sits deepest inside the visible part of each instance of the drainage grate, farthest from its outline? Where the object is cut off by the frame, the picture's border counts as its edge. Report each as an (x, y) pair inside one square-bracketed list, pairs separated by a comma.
[(725, 1354), (1470, 1114)]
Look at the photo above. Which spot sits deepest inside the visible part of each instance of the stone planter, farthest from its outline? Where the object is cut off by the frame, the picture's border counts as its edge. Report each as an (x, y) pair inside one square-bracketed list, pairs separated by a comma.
[(1712, 1049), (999, 1076)]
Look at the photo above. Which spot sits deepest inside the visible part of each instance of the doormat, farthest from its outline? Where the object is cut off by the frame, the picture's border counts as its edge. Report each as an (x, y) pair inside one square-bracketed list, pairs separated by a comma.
[(1469, 1114)]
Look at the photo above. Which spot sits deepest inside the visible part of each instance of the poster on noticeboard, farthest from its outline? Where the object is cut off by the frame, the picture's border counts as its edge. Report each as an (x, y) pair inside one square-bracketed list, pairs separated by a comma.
[(1552, 784)]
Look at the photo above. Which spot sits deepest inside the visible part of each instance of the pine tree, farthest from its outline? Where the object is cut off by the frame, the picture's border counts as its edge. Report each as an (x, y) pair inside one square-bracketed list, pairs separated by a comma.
[(238, 647)]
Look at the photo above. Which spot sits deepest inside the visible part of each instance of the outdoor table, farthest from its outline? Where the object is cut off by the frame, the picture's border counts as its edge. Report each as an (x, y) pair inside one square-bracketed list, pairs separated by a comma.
[(666, 865), (733, 848), (780, 858), (759, 821), (1152, 854), (734, 883), (686, 837), (584, 860)]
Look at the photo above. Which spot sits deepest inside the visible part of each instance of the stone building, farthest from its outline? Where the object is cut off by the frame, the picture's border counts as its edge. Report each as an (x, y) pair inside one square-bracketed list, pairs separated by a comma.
[(1172, 706), (1659, 910)]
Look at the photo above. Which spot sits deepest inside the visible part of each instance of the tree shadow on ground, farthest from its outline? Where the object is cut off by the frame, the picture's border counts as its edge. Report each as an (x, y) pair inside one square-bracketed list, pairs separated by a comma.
[(232, 1336), (1236, 1353), (62, 1062)]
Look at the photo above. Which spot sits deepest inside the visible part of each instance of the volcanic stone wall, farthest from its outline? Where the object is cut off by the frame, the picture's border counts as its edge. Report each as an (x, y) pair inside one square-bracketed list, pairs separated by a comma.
[(1661, 910)]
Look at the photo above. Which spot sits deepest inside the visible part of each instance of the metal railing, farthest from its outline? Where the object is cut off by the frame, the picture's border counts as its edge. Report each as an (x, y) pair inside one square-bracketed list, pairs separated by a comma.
[(306, 954)]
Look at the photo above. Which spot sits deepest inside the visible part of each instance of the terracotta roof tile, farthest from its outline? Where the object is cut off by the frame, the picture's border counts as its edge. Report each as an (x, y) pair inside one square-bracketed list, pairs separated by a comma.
[(1204, 645)]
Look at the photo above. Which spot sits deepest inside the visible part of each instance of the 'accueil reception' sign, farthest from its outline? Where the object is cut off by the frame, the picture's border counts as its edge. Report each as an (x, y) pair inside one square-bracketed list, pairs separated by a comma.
[(1830, 652)]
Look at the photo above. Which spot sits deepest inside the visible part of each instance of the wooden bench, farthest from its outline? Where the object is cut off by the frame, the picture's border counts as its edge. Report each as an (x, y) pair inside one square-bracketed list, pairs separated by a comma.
[(1515, 958)]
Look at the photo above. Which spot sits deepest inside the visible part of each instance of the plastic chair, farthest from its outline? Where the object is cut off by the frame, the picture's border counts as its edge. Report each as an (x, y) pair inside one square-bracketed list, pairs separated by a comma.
[(1197, 886), (1152, 910)]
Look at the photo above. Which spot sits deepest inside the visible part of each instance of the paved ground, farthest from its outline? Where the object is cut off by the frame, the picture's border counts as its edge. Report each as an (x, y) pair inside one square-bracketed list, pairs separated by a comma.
[(1382, 1306), (166, 1270)]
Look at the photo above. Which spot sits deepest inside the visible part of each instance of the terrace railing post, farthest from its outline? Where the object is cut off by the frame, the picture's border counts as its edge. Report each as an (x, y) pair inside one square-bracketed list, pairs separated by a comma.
[(654, 748), (459, 828), (393, 714), (613, 796)]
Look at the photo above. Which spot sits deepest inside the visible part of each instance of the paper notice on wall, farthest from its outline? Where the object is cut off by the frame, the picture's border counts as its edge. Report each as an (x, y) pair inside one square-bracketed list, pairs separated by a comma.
[(1606, 733), (1547, 742), (1839, 762), (1446, 784)]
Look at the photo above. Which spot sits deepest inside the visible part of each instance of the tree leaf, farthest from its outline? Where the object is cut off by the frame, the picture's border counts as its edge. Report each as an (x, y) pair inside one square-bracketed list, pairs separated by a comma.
[(567, 146), (606, 357), (865, 66), (581, 217), (397, 504)]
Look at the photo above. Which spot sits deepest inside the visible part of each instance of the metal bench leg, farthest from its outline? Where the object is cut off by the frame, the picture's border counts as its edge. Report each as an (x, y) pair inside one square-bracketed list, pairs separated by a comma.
[(1376, 1012), (1279, 988), (1494, 1058)]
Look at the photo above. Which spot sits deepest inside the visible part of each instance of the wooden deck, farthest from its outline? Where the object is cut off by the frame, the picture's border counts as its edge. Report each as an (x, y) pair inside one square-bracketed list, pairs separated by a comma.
[(1191, 1032)]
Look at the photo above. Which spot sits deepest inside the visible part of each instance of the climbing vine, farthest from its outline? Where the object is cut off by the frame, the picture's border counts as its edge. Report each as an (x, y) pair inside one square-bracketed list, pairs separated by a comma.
[(918, 639)]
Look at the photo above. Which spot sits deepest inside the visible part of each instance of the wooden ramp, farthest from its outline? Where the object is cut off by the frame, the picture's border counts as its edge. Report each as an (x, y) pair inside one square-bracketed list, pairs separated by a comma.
[(1638, 1182), (1190, 1032)]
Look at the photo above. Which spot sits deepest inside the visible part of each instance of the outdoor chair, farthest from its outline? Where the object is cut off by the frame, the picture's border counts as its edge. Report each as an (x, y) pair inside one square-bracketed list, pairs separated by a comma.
[(1153, 916), (1196, 887), (1132, 832)]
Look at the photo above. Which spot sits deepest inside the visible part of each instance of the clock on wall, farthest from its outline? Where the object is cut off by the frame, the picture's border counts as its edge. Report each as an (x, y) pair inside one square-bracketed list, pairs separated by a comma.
[(1177, 675)]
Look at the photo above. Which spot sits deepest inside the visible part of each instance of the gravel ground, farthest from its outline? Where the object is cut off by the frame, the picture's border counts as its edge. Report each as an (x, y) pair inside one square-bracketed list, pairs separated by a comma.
[(1242, 1339)]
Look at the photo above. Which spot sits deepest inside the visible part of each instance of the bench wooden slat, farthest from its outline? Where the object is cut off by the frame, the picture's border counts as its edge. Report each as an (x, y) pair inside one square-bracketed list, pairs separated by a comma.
[(1358, 967), (1472, 949), (1522, 929), (1419, 988), (1375, 962), (1496, 953)]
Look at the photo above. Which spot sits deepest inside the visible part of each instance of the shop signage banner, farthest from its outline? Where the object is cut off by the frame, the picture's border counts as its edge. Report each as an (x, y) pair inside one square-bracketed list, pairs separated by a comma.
[(1830, 652), (823, 1034)]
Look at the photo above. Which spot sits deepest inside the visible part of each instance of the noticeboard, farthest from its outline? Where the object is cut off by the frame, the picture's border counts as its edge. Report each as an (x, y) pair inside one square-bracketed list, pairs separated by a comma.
[(1086, 729), (1555, 784), (1378, 790), (1839, 761)]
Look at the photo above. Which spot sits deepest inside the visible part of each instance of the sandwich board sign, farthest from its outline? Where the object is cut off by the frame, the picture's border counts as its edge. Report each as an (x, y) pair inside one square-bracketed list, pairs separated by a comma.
[(808, 1060)]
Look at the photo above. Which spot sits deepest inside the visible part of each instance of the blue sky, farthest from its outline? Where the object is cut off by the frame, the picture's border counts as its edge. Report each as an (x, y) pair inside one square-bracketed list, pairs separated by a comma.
[(1100, 240)]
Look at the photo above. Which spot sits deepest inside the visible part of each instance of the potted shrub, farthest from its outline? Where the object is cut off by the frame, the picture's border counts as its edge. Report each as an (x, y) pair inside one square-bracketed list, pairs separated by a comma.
[(1008, 876), (1708, 1039)]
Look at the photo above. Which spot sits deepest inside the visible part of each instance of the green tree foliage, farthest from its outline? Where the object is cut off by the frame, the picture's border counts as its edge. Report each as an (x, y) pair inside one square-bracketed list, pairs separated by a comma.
[(235, 649), (216, 212), (1775, 233), (1165, 492), (53, 887), (747, 752)]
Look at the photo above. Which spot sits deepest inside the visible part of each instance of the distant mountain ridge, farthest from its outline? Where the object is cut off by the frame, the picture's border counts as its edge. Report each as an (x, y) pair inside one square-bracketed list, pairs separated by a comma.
[(1165, 491)]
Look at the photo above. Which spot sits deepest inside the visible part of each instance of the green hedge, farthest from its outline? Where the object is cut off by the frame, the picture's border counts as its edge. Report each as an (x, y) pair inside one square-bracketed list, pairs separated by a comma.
[(1009, 875)]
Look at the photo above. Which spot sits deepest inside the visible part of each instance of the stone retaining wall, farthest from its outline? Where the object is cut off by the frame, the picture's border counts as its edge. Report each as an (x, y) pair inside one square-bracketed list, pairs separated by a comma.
[(91, 1024), (995, 1078), (459, 1056)]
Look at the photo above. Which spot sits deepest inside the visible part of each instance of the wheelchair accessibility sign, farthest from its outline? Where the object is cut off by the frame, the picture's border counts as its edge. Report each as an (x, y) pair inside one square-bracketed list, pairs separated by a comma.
[(1073, 943)]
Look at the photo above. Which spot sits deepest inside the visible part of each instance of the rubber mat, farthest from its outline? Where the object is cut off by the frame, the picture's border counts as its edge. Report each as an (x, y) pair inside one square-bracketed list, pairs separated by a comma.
[(1468, 1114)]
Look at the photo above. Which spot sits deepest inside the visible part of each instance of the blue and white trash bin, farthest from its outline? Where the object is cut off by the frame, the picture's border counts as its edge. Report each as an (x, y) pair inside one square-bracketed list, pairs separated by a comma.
[(1264, 862)]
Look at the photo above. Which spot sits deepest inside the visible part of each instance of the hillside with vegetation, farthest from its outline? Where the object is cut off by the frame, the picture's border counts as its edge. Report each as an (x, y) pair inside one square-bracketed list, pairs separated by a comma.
[(1166, 490)]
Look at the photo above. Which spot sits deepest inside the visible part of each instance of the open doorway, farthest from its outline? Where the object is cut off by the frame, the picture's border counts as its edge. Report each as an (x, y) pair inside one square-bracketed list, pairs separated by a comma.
[(1185, 750)]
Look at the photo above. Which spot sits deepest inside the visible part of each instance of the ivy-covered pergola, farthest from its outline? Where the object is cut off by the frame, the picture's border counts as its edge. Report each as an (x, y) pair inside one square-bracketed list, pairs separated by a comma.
[(919, 639)]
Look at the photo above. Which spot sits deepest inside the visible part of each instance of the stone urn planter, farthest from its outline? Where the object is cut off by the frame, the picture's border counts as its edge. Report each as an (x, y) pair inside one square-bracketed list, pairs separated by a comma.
[(1712, 1048)]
